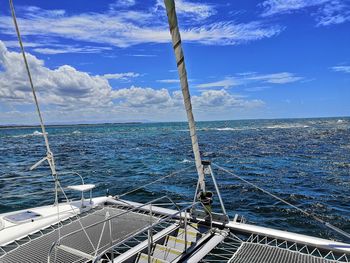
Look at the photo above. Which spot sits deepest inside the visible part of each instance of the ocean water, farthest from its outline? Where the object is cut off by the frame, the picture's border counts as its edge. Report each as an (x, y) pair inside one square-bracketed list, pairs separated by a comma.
[(304, 161)]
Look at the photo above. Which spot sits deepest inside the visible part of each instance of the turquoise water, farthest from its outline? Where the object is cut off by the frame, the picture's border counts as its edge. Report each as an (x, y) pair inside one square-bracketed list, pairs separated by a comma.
[(305, 161)]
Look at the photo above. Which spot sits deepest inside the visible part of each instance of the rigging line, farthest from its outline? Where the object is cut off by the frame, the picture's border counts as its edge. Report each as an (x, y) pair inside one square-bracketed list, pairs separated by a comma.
[(49, 155), (31, 81), (21, 177), (160, 179), (336, 229), (29, 74), (76, 215), (31, 176)]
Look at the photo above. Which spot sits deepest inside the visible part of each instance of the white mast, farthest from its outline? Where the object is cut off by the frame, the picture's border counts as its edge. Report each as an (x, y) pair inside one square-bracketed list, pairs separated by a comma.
[(180, 61)]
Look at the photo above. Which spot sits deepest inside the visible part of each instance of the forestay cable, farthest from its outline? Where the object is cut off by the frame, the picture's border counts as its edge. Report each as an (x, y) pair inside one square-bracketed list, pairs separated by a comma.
[(49, 156), (338, 230)]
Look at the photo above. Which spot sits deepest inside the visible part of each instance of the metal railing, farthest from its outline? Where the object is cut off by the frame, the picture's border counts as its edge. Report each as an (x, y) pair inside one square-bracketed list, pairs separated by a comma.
[(149, 228)]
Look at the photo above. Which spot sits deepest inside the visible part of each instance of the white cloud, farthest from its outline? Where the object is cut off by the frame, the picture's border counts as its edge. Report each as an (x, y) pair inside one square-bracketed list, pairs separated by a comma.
[(143, 97), (168, 80), (196, 11), (122, 3), (259, 88), (328, 11), (69, 49), (345, 69), (225, 83), (223, 99), (15, 44), (272, 7), (334, 12), (142, 55), (67, 94), (229, 33), (252, 77), (64, 86), (127, 28), (53, 48), (122, 76), (276, 78)]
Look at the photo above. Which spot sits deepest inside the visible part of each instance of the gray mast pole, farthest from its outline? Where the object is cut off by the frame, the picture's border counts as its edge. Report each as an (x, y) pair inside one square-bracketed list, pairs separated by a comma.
[(180, 61)]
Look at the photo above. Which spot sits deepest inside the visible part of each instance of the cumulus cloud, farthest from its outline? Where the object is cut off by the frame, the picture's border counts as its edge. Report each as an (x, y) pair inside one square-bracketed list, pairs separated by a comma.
[(143, 97), (63, 86), (223, 99), (73, 94), (125, 28)]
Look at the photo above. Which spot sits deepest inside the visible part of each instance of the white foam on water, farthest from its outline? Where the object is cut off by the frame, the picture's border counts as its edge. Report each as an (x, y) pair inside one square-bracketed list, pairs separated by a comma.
[(37, 133), (186, 161), (22, 136), (226, 129), (287, 126), (76, 132)]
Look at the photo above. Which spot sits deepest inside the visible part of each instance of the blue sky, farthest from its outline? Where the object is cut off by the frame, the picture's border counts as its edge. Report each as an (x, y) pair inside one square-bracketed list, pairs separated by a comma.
[(106, 61)]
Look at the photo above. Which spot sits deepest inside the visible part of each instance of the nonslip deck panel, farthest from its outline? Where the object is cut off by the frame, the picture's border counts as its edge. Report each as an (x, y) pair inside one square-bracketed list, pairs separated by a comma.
[(36, 250), (259, 253)]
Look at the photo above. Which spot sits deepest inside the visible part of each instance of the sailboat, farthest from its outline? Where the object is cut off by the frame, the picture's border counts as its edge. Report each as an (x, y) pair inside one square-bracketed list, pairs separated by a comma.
[(113, 229)]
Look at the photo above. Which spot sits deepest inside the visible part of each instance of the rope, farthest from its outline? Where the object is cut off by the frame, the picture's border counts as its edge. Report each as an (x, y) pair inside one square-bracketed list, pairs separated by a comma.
[(336, 229), (160, 179)]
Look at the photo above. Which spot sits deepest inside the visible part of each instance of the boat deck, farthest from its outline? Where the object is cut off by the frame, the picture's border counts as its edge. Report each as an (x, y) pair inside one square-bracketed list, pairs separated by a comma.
[(258, 253), (126, 231), (35, 247)]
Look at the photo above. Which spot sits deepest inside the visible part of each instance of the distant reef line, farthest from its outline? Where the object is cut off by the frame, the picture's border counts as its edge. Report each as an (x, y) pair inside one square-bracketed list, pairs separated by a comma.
[(15, 126), (28, 126)]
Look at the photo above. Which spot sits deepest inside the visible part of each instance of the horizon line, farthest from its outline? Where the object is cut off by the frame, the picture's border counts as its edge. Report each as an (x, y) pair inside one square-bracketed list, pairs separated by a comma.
[(9, 126)]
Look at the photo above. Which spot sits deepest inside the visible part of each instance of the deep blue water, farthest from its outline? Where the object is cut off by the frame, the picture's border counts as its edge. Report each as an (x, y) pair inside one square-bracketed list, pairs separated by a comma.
[(305, 161)]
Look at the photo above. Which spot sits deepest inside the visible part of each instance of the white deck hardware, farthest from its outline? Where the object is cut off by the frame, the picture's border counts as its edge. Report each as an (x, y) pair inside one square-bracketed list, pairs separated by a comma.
[(83, 188), (211, 244)]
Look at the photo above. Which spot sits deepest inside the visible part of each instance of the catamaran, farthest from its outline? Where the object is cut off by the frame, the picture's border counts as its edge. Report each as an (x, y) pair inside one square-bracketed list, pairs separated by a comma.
[(112, 229)]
